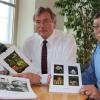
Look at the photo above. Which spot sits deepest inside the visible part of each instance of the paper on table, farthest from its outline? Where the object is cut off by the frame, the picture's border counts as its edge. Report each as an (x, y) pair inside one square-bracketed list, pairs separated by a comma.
[(65, 78), (15, 88)]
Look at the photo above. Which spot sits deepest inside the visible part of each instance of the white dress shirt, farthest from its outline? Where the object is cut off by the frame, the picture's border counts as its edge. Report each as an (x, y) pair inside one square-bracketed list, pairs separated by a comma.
[(61, 47)]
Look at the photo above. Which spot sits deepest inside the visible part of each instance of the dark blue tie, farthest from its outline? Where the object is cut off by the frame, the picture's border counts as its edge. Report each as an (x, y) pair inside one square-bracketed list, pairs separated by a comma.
[(44, 58)]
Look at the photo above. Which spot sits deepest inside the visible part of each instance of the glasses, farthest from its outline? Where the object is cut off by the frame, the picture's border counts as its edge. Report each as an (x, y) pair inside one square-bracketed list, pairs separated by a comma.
[(44, 22), (96, 26)]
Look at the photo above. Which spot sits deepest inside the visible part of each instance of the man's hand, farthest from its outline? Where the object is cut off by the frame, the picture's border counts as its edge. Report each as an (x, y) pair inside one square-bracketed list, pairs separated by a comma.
[(91, 91), (34, 78), (49, 78)]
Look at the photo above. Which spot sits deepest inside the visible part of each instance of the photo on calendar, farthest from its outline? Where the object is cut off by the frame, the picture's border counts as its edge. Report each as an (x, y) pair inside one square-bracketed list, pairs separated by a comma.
[(58, 80), (73, 80), (73, 70), (58, 69), (15, 88), (14, 60), (13, 85)]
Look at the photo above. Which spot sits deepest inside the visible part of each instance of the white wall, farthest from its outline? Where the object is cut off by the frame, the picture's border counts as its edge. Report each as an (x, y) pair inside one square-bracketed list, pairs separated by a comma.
[(25, 22)]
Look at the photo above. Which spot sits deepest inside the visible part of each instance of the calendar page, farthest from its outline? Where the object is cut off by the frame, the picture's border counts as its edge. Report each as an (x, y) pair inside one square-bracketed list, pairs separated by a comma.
[(14, 60), (65, 78)]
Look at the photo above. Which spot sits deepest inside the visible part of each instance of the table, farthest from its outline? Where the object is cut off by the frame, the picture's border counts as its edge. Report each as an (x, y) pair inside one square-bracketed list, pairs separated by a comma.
[(44, 94)]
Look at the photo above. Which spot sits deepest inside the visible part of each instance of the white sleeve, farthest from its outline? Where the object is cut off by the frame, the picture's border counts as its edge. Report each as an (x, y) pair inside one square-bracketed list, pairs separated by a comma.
[(44, 78), (70, 50), (26, 50), (73, 50)]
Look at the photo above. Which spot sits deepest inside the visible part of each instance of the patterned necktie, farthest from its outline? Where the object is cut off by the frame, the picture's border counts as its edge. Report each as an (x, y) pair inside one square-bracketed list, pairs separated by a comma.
[(44, 58)]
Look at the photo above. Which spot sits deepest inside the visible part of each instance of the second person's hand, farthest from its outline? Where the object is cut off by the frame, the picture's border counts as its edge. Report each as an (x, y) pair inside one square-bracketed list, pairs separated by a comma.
[(34, 78)]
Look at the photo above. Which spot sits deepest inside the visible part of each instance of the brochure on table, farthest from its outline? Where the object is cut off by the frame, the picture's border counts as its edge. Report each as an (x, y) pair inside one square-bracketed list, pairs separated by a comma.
[(14, 60), (65, 78), (15, 88)]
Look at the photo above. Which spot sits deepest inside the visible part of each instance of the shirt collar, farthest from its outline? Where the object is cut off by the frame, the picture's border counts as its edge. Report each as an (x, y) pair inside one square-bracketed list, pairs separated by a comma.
[(39, 39), (98, 42), (50, 39)]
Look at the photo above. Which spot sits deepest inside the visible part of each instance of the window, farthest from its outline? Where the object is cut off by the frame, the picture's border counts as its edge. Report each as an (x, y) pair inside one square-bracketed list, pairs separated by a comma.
[(7, 8)]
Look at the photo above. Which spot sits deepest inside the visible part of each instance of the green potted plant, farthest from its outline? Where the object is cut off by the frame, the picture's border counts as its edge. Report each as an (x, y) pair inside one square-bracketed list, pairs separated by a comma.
[(79, 15)]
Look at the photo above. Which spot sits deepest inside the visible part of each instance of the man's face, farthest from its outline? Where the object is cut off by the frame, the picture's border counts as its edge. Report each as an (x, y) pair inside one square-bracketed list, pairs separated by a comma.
[(44, 25), (96, 25)]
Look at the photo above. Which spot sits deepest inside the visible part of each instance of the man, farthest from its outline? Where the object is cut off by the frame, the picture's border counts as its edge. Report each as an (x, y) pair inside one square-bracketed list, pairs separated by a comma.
[(61, 47), (91, 76)]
